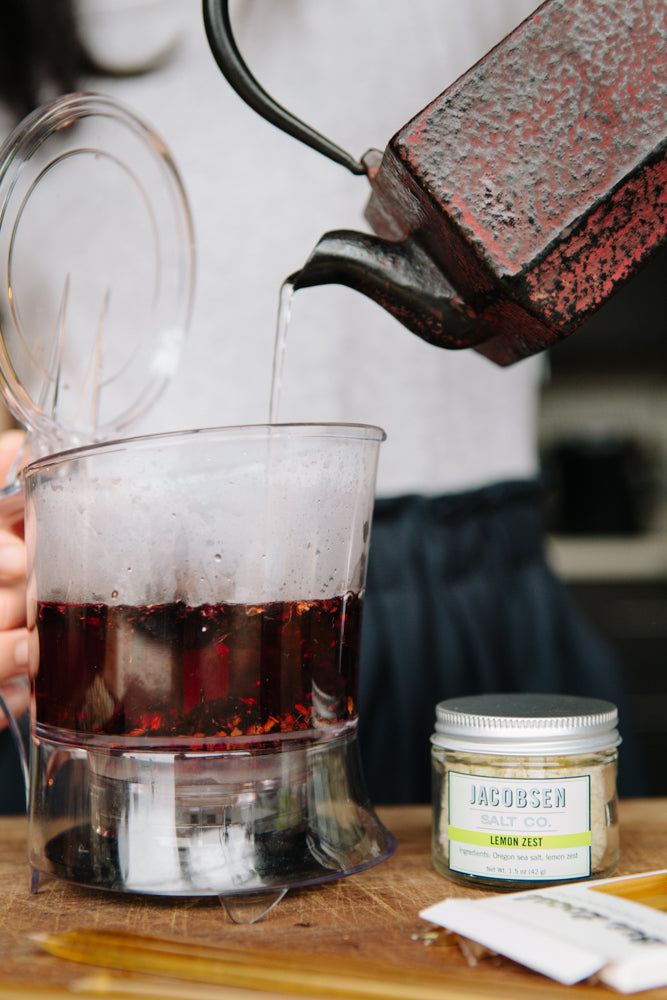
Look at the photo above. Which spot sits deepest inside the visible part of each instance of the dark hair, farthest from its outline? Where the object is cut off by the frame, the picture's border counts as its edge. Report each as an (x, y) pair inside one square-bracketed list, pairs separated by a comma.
[(40, 52)]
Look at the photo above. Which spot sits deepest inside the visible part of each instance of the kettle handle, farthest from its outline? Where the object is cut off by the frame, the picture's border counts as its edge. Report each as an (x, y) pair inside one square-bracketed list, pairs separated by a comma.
[(229, 59)]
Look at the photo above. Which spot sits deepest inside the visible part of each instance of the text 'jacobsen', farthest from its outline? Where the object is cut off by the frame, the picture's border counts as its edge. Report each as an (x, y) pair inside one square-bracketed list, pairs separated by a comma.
[(506, 797)]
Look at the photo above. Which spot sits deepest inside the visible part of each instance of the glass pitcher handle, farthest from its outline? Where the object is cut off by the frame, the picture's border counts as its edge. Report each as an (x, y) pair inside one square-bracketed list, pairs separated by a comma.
[(11, 503), (18, 741), (229, 59), (11, 491), (11, 511)]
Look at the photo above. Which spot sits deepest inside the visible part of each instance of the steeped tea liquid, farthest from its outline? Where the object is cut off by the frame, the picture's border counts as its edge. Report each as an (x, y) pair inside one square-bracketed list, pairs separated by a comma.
[(176, 676)]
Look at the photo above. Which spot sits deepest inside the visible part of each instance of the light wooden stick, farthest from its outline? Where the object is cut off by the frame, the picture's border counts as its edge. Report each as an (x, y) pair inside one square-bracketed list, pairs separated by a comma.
[(279, 972), (649, 889), (262, 969)]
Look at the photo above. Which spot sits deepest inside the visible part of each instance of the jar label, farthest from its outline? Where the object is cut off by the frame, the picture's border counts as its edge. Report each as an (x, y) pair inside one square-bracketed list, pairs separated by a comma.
[(513, 828)]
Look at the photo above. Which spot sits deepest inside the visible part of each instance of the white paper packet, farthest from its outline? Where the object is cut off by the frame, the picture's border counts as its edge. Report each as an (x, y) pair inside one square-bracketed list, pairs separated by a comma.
[(613, 929)]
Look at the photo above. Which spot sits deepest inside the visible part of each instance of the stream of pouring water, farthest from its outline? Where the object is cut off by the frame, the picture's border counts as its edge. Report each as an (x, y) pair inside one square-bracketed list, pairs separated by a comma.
[(284, 313)]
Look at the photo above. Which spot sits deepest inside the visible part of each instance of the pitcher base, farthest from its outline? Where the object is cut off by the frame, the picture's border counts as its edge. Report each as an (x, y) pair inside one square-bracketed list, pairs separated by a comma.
[(222, 823)]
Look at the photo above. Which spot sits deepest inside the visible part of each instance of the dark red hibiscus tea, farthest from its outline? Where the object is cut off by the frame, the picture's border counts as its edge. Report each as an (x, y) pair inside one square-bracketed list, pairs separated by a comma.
[(213, 671)]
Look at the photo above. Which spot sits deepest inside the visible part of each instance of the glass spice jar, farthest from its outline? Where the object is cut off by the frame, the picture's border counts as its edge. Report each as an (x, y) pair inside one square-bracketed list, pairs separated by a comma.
[(524, 790)]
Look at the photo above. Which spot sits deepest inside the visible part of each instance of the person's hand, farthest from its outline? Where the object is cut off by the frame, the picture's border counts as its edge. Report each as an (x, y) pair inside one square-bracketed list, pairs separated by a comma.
[(13, 633)]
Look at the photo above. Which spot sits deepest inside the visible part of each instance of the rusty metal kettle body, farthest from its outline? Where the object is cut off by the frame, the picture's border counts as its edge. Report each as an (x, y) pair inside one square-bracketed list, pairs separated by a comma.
[(520, 199)]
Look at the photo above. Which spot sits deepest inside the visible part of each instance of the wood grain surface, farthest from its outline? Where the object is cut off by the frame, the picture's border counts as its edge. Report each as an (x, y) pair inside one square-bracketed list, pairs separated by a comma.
[(370, 918)]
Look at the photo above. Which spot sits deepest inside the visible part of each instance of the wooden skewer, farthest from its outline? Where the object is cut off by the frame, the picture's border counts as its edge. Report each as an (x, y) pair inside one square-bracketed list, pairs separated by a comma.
[(284, 972), (650, 889), (279, 972), (107, 986)]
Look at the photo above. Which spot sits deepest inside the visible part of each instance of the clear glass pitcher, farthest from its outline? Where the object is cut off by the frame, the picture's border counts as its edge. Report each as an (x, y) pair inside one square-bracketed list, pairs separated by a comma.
[(194, 611)]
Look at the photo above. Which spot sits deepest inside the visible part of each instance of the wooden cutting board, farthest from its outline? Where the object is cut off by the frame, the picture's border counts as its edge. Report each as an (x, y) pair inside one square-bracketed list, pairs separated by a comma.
[(370, 918)]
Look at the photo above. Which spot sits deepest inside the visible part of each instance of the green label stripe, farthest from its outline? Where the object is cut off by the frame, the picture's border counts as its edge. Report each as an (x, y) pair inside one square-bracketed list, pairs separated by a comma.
[(520, 841)]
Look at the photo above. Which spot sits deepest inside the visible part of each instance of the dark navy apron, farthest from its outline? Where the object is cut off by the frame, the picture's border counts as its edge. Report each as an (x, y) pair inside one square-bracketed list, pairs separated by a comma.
[(460, 600)]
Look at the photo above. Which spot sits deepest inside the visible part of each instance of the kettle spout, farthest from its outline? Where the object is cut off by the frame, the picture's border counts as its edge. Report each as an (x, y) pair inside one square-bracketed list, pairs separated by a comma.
[(400, 277)]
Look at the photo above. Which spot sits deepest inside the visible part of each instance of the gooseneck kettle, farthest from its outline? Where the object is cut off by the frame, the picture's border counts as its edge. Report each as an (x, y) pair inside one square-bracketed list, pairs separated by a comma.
[(520, 199)]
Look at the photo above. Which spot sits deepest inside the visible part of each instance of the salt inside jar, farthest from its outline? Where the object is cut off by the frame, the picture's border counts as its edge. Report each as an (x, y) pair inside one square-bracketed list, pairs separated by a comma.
[(524, 789)]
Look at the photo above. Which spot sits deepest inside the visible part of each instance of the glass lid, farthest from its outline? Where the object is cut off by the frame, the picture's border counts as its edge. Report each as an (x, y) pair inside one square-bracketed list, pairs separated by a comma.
[(96, 250)]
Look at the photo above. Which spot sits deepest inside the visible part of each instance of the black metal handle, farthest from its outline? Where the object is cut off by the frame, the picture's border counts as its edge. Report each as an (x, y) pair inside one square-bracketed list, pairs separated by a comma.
[(229, 59)]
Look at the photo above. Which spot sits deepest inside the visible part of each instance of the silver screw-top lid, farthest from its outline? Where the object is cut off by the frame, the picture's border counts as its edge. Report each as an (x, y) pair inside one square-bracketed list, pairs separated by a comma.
[(526, 724)]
